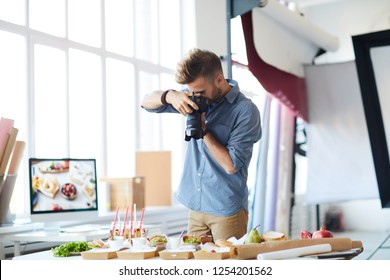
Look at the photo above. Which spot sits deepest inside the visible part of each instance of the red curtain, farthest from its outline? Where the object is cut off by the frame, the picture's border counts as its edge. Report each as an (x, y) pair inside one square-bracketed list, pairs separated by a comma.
[(288, 88)]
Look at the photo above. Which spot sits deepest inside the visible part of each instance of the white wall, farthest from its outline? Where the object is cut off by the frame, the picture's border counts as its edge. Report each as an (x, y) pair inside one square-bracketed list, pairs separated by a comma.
[(340, 18)]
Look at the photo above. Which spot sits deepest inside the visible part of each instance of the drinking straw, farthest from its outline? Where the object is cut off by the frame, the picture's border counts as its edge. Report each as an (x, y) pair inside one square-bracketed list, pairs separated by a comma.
[(135, 217), (116, 217), (131, 221), (124, 221), (181, 234), (142, 218)]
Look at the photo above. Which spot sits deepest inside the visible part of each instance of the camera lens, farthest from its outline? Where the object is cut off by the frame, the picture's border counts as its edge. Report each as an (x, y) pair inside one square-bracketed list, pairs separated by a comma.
[(194, 120), (194, 126)]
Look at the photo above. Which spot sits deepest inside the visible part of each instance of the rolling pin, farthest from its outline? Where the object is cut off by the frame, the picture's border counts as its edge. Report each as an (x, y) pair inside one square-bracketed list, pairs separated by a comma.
[(295, 252), (250, 251)]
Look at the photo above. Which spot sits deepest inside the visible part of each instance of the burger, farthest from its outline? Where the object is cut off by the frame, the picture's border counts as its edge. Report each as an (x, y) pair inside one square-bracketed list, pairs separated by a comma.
[(191, 240), (157, 240)]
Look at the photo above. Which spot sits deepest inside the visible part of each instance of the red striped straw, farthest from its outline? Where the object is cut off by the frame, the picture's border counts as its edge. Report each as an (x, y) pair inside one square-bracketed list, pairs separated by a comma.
[(116, 217), (124, 221), (131, 221), (142, 218)]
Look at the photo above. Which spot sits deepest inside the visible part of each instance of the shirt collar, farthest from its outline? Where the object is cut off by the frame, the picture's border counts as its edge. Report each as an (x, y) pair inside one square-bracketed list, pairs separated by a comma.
[(234, 91)]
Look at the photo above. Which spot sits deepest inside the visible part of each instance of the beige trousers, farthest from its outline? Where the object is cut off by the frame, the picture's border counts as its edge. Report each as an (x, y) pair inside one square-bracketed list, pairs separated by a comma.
[(220, 227)]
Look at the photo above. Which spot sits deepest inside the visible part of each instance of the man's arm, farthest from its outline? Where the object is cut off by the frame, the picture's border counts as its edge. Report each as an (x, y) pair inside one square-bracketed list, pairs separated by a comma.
[(152, 100), (178, 99), (241, 141), (220, 153)]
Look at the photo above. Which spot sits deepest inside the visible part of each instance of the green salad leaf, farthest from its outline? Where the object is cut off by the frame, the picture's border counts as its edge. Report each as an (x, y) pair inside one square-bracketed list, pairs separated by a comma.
[(65, 250), (192, 240)]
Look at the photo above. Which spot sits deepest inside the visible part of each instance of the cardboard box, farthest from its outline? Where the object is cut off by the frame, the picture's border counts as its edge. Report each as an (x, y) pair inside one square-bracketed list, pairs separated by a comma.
[(155, 167), (101, 253), (136, 254), (169, 254), (124, 192), (205, 255)]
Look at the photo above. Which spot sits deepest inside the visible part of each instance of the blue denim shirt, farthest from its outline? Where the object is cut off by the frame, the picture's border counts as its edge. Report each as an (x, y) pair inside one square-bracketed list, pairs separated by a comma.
[(205, 186)]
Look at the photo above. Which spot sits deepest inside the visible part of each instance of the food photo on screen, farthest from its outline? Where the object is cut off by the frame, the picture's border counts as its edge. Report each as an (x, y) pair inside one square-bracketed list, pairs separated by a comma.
[(62, 184)]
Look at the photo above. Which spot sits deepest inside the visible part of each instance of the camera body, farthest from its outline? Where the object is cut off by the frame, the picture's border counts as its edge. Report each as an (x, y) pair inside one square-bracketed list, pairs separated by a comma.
[(194, 120)]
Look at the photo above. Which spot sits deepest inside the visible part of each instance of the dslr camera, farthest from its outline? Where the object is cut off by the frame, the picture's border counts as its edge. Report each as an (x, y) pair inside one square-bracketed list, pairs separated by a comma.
[(194, 120)]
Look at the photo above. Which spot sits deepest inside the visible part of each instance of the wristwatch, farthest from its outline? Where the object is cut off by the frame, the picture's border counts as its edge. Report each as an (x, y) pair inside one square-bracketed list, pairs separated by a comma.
[(205, 131)]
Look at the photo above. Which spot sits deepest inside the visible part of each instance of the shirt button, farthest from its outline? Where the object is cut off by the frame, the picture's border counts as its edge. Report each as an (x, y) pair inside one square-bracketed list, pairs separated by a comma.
[(199, 174), (198, 189)]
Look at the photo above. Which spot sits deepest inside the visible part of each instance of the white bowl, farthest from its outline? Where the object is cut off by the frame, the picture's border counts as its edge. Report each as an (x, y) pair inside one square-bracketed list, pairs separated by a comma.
[(117, 242), (138, 241)]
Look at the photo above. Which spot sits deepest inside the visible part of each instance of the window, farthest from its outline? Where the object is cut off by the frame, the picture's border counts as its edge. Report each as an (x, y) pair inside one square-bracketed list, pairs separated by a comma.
[(73, 83), (73, 86)]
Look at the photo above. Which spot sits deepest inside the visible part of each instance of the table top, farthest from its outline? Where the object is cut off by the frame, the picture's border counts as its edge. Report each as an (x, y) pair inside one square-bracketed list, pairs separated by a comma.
[(45, 255), (48, 255), (75, 233), (14, 228), (51, 236)]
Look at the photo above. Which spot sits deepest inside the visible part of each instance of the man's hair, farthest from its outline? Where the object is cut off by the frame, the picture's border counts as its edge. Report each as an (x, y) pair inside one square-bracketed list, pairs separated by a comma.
[(198, 63)]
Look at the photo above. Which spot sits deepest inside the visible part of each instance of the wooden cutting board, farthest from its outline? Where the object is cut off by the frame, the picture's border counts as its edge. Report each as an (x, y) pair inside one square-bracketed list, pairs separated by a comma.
[(250, 251)]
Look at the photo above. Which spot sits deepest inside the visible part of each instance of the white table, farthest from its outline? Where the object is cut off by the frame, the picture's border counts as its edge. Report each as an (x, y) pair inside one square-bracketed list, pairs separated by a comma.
[(15, 228), (56, 235), (53, 236), (45, 255)]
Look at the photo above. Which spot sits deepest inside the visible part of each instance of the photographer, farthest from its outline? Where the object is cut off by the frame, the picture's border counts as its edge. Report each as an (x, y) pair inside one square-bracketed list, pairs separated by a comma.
[(214, 179)]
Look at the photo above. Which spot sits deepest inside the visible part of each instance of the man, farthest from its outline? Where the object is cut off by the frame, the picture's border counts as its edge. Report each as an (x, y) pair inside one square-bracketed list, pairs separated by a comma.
[(213, 184)]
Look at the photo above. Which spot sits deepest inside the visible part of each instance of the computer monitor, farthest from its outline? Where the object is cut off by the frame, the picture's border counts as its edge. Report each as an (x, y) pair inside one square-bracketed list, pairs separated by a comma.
[(63, 190)]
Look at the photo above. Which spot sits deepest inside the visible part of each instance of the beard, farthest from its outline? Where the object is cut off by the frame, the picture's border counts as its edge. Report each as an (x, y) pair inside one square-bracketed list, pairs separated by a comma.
[(217, 93)]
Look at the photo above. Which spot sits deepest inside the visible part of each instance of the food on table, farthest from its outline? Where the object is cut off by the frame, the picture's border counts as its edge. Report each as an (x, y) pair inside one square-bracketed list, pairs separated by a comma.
[(190, 239), (253, 236), (223, 243), (305, 234), (139, 233), (69, 191), (67, 249), (50, 186), (322, 233), (157, 239), (273, 236), (98, 243)]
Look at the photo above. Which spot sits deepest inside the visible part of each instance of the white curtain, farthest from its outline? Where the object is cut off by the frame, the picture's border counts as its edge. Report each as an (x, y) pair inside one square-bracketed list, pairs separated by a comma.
[(340, 164), (258, 203)]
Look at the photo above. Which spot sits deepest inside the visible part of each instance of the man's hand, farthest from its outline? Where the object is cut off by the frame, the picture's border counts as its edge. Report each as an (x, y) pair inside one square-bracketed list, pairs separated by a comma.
[(181, 102)]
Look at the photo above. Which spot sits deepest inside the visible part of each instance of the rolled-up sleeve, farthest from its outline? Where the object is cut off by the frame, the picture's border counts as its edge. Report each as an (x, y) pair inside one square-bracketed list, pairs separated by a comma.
[(162, 109), (247, 131)]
